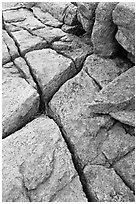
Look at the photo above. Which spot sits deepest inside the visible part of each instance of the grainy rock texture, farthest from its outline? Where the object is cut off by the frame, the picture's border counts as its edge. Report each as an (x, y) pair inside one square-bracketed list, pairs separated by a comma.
[(37, 166), (124, 18), (68, 102)]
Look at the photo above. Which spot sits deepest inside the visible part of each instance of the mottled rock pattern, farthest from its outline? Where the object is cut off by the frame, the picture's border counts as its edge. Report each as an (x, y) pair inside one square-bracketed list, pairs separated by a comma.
[(37, 165), (86, 15), (20, 100), (74, 48), (124, 18), (105, 70), (106, 186), (117, 95), (50, 69), (80, 126), (9, 48), (104, 30)]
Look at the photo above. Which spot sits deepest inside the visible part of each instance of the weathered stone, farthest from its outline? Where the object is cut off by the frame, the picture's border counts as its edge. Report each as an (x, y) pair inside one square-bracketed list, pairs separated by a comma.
[(105, 70), (106, 186), (117, 95), (74, 48), (75, 30), (125, 167), (28, 42), (11, 47), (20, 100), (22, 18), (37, 165), (124, 18), (50, 34), (46, 17), (118, 143), (104, 30), (86, 15), (23, 67), (127, 117), (63, 11), (50, 69), (82, 129), (5, 53), (11, 5)]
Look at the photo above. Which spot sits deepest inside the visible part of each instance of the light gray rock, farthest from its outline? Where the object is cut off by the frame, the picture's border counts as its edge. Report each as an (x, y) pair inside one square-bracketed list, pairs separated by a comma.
[(22, 18), (20, 100), (50, 69), (49, 34), (46, 17), (82, 129), (124, 18), (117, 95), (104, 30), (11, 5), (125, 167), (28, 42), (118, 143), (105, 70), (106, 186), (5, 53), (37, 166), (63, 11), (86, 15), (11, 47), (73, 47)]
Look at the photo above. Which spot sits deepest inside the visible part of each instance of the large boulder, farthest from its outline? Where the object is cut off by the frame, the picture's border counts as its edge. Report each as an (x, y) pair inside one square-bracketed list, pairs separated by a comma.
[(37, 166), (84, 131), (124, 18), (50, 69), (104, 30)]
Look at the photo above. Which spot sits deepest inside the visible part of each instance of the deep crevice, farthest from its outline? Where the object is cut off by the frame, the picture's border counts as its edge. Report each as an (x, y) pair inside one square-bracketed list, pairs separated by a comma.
[(76, 164)]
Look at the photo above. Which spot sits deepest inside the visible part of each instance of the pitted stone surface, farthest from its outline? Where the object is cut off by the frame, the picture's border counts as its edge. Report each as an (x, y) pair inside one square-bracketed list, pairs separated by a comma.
[(36, 158), (106, 186), (53, 66), (124, 18), (20, 100), (50, 69)]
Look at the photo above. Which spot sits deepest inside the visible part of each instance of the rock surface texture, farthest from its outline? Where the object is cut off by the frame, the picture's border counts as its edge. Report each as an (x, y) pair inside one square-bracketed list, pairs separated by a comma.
[(68, 102)]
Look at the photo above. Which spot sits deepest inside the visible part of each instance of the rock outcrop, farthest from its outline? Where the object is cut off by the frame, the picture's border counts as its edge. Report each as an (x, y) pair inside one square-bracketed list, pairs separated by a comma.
[(68, 102)]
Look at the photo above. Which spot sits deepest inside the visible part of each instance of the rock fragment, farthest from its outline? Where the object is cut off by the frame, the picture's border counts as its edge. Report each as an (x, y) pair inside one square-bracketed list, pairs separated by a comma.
[(105, 70), (50, 69), (86, 15), (104, 30), (117, 95), (20, 100), (124, 18), (36, 158), (28, 42)]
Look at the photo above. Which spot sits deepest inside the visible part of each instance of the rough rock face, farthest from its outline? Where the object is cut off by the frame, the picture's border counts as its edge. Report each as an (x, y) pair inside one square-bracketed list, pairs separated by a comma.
[(45, 169), (68, 101), (124, 18), (104, 30), (50, 69), (20, 100), (86, 15)]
